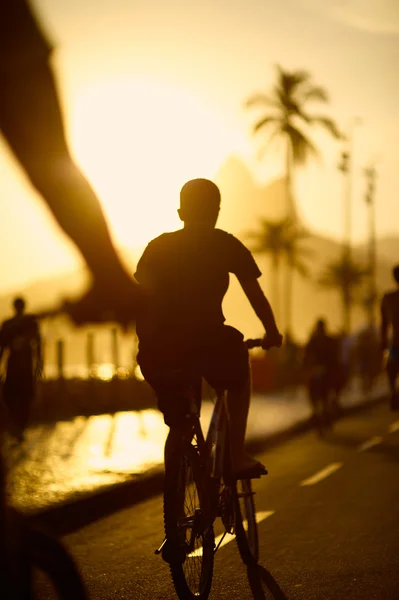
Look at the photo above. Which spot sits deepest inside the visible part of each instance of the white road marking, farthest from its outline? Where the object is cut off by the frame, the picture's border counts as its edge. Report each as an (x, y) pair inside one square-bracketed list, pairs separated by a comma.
[(394, 427), (321, 474), (260, 516), (374, 441)]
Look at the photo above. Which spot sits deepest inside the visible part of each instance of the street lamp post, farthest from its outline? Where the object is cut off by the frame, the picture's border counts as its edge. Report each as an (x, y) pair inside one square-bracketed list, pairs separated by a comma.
[(346, 167)]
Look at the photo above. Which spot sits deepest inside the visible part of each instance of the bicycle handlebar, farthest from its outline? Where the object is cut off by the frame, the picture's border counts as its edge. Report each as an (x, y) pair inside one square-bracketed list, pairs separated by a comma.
[(258, 343)]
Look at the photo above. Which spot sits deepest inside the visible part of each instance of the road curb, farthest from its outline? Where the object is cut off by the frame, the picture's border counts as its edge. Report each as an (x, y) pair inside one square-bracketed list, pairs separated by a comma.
[(72, 515)]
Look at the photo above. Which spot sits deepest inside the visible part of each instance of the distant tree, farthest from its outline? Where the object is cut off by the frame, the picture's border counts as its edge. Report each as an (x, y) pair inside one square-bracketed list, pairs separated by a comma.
[(281, 241), (269, 239), (296, 255), (285, 112), (345, 276)]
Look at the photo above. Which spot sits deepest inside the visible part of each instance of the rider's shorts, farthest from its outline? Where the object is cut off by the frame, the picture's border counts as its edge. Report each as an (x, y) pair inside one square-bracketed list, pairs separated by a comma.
[(221, 358)]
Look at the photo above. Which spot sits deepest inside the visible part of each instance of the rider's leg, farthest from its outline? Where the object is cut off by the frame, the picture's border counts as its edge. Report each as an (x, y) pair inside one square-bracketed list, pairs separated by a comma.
[(225, 365), (238, 406), (238, 402)]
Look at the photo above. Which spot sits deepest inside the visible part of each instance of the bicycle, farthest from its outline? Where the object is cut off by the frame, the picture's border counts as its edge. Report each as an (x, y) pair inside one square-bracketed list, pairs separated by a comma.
[(199, 487), (26, 548)]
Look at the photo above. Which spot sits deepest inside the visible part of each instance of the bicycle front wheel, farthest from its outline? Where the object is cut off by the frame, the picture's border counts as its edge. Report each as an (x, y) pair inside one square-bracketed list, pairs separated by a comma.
[(188, 530), (54, 563), (245, 522)]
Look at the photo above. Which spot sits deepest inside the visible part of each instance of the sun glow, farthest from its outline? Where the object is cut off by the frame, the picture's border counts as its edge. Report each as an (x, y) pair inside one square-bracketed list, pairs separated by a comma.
[(139, 141)]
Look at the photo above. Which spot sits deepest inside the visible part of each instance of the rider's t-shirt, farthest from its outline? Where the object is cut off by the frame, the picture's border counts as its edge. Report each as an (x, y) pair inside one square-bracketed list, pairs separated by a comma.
[(186, 275), (390, 313)]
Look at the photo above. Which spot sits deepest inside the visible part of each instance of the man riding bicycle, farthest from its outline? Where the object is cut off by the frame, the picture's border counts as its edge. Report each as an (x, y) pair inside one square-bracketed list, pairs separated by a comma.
[(390, 320), (182, 335)]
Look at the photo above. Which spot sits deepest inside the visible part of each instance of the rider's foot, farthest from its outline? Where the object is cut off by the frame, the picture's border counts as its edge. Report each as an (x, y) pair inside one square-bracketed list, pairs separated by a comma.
[(173, 553), (247, 467)]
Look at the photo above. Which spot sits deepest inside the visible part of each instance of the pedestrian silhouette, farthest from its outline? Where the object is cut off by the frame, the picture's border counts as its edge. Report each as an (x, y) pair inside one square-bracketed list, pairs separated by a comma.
[(320, 372), (20, 338), (390, 336)]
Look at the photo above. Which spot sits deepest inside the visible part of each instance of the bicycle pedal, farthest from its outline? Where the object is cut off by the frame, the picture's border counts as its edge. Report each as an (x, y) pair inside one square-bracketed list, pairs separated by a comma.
[(254, 473), (161, 547)]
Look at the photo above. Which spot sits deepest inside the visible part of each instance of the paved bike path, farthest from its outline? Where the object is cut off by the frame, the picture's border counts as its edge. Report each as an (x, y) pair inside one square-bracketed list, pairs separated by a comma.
[(330, 533), (119, 457)]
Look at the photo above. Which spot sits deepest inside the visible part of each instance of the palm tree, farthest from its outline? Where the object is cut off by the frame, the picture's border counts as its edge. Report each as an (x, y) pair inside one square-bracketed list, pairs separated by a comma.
[(280, 239), (346, 276), (285, 107), (295, 255)]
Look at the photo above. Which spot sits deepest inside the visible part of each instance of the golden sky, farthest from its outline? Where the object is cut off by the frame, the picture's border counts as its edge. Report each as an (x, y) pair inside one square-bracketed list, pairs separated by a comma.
[(153, 94)]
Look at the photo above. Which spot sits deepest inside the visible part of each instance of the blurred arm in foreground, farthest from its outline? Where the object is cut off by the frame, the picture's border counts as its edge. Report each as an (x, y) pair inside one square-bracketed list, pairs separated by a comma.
[(31, 122)]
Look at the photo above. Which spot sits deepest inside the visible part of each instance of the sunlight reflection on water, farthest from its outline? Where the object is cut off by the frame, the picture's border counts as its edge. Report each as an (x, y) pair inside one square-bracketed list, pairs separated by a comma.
[(62, 460)]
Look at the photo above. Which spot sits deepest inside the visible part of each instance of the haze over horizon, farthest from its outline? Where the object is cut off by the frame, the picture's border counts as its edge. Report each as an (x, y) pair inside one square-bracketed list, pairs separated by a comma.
[(150, 101)]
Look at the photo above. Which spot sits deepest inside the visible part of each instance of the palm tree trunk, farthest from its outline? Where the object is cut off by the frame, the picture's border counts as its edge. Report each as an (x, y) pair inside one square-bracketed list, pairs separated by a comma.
[(290, 208), (289, 274)]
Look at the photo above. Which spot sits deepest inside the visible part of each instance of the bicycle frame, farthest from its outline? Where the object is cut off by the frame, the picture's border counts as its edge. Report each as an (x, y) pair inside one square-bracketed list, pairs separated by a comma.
[(216, 436), (212, 451)]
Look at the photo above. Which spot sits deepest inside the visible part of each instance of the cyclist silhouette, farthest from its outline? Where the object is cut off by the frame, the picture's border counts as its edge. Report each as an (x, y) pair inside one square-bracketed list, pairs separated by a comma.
[(390, 322), (182, 335), (320, 367)]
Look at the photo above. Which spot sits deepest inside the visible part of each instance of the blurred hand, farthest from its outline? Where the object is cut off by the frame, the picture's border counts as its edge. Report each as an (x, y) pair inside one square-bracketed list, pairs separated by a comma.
[(119, 300), (272, 340)]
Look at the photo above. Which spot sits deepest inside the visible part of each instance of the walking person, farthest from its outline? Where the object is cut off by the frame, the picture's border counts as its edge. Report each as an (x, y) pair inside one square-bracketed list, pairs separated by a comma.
[(20, 337)]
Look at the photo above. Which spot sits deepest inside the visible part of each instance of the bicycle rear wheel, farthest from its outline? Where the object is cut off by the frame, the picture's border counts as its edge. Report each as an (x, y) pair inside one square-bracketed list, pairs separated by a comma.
[(245, 522), (188, 530)]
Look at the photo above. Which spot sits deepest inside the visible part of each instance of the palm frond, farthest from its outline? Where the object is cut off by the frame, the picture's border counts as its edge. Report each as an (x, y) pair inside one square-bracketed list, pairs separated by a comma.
[(344, 274), (315, 93), (301, 145), (260, 100), (289, 81), (263, 122), (327, 123), (301, 268), (267, 145)]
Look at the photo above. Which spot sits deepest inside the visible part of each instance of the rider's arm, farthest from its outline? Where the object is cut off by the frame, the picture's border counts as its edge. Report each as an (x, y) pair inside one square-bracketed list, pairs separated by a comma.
[(384, 324), (260, 304), (243, 265)]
